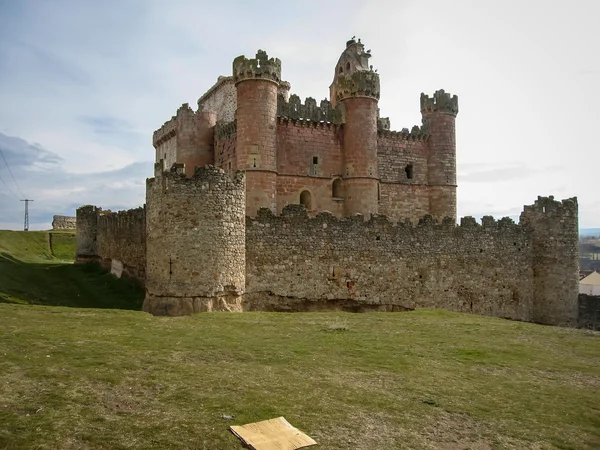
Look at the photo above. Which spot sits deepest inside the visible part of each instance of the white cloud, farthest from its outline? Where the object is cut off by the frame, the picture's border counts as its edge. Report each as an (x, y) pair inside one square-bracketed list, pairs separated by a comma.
[(90, 85)]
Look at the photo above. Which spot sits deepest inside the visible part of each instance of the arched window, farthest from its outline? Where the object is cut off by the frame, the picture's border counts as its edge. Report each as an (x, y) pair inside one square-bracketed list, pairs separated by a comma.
[(306, 200), (347, 66), (341, 69), (336, 189)]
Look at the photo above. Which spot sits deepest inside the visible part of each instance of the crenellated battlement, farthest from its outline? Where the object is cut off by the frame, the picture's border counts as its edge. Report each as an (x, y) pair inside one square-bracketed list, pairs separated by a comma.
[(295, 109), (415, 134), (297, 214), (169, 128), (262, 68), (552, 208), (358, 84), (383, 123), (440, 102), (304, 123), (206, 177)]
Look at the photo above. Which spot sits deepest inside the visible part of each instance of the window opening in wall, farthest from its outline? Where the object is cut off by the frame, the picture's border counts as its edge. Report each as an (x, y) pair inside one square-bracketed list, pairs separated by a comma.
[(336, 188), (229, 166), (370, 171), (306, 200), (543, 209), (378, 192), (409, 171), (315, 160), (347, 66), (254, 163), (341, 69)]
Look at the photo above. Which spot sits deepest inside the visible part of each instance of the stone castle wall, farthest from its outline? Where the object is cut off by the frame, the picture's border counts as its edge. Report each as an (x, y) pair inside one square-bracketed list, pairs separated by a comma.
[(220, 98), (296, 263), (121, 240), (64, 223), (195, 241)]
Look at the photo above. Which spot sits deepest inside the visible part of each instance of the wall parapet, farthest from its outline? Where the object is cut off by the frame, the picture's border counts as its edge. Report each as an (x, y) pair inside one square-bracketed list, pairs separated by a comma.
[(415, 134), (296, 213), (303, 123), (441, 101), (262, 68), (295, 109)]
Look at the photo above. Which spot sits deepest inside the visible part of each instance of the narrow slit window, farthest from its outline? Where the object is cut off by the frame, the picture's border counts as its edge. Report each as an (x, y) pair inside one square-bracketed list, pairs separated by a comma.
[(315, 160), (254, 163), (409, 171)]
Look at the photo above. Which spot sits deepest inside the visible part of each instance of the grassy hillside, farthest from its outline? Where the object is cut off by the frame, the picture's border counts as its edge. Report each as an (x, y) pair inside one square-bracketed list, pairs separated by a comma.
[(36, 268), (105, 379)]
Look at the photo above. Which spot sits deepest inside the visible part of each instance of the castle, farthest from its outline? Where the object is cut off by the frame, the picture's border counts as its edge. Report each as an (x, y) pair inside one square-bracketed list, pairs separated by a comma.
[(262, 202)]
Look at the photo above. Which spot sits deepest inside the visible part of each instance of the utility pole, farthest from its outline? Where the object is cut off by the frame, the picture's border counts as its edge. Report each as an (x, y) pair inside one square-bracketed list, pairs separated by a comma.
[(26, 224)]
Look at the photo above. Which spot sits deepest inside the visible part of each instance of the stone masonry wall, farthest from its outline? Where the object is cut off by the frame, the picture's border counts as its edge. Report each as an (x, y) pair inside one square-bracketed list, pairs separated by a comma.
[(297, 263), (64, 223), (122, 237), (402, 160), (195, 241), (220, 98), (87, 233)]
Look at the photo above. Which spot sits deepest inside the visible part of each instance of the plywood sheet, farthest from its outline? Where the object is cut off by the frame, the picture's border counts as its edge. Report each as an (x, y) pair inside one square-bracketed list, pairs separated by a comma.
[(272, 434)]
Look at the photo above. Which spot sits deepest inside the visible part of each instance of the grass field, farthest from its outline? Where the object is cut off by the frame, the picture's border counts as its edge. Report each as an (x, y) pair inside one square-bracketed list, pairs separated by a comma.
[(89, 378), (36, 268)]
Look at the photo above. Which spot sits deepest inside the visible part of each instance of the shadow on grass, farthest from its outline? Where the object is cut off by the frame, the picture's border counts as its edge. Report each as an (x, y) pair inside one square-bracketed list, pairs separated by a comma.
[(59, 284)]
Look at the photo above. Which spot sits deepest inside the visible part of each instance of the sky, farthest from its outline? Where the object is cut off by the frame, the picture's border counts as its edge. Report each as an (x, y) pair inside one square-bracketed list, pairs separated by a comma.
[(83, 84)]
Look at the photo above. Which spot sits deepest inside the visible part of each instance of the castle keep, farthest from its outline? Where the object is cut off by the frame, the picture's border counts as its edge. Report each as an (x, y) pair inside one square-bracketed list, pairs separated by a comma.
[(262, 202)]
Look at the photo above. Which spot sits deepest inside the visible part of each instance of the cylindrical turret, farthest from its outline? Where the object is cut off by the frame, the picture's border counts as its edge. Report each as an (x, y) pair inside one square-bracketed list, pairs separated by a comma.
[(439, 116), (195, 241), (356, 88), (257, 83), (195, 138)]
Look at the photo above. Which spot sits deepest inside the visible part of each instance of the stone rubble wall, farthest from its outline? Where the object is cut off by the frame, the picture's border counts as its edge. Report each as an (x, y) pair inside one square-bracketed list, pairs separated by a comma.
[(195, 241), (470, 268), (122, 237), (64, 223), (86, 235), (220, 98)]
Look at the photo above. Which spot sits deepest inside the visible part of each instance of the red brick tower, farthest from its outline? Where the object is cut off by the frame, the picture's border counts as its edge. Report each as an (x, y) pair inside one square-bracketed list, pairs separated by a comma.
[(356, 88), (195, 138), (257, 81), (439, 116)]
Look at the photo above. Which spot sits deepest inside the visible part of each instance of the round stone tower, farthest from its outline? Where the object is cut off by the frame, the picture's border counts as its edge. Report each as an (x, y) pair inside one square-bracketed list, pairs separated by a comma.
[(355, 90), (195, 241), (439, 117), (257, 82)]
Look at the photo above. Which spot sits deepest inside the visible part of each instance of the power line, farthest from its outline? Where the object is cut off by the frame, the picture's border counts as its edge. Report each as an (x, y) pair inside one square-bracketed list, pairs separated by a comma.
[(9, 189), (11, 174)]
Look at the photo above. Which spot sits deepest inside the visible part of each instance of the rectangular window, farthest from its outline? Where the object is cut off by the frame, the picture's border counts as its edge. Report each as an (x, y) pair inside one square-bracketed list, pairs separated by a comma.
[(315, 160)]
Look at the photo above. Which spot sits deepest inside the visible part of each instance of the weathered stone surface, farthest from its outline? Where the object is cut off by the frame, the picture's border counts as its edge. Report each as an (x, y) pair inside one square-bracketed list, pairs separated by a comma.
[(197, 252), (64, 223), (195, 241)]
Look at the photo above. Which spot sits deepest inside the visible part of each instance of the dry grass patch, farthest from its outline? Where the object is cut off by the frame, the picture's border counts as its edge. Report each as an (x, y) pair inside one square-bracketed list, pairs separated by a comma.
[(106, 379)]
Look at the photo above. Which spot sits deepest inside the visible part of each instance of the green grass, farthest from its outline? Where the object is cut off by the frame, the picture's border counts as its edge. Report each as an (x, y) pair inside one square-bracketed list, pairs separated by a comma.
[(73, 378), (33, 272), (104, 379)]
